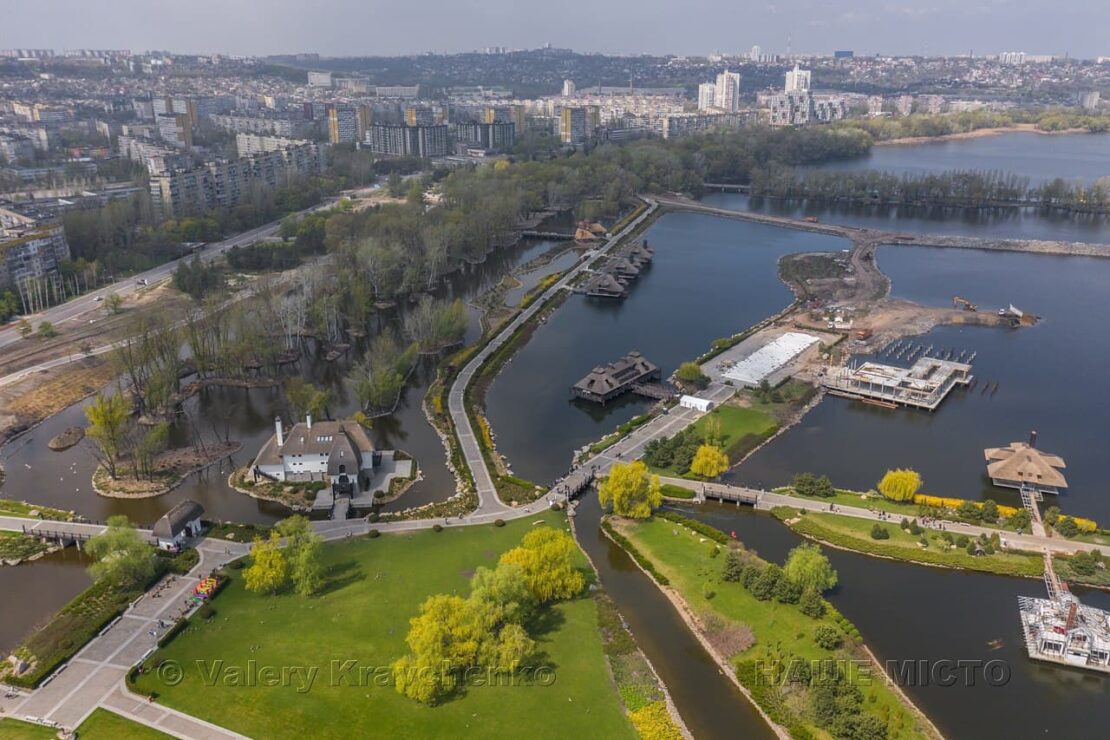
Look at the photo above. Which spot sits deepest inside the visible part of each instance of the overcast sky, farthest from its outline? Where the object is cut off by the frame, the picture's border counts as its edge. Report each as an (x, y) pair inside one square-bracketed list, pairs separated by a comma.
[(387, 27)]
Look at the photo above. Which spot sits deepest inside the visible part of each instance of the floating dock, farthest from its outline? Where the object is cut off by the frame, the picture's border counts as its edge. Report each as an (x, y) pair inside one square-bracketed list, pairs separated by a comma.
[(603, 384), (923, 385)]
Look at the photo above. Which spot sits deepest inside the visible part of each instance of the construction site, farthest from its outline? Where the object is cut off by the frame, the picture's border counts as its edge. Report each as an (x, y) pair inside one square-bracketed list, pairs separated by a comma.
[(923, 385)]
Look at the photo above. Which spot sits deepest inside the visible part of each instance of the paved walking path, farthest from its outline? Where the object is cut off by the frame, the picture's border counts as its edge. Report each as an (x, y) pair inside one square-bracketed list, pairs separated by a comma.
[(767, 500), (488, 502), (95, 675)]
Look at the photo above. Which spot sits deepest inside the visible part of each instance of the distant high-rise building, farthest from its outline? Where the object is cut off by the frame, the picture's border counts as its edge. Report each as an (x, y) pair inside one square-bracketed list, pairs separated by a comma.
[(568, 88), (572, 125), (175, 130), (726, 92), (756, 53), (342, 125), (319, 79), (420, 115), (1090, 100), (791, 109), (843, 54), (707, 95), (797, 80), (407, 141)]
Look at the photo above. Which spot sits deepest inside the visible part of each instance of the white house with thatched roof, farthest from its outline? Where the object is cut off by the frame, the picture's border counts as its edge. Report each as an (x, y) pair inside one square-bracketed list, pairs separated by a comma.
[(1021, 465), (318, 451)]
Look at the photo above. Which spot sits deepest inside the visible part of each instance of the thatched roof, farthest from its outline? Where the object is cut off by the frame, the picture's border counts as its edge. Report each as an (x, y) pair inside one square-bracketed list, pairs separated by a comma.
[(1024, 464)]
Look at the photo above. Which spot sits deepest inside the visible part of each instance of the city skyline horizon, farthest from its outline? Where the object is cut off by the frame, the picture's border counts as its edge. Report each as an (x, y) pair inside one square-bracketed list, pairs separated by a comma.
[(944, 28)]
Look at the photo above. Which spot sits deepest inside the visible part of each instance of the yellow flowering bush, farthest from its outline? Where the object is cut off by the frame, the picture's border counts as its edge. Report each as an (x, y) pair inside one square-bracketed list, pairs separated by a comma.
[(653, 722)]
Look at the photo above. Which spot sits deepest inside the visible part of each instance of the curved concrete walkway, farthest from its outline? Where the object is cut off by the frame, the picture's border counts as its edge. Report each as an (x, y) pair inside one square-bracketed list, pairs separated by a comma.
[(489, 505)]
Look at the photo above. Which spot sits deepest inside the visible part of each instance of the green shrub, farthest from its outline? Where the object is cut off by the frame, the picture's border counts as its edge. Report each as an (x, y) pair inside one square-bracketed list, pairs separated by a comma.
[(206, 612), (879, 532), (700, 527), (437, 527), (827, 637), (499, 522)]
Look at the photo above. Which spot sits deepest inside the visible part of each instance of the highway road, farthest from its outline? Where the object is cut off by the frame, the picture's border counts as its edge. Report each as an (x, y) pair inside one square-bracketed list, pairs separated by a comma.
[(76, 309)]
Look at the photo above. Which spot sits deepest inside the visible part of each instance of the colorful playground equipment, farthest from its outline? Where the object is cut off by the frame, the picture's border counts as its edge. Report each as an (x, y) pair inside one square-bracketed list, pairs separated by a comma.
[(204, 589)]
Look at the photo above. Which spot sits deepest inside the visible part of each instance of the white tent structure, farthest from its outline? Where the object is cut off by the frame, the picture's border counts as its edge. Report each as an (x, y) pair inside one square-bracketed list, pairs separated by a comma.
[(769, 358)]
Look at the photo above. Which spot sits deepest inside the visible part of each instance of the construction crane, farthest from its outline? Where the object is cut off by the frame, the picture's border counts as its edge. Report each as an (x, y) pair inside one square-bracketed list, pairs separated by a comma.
[(964, 303)]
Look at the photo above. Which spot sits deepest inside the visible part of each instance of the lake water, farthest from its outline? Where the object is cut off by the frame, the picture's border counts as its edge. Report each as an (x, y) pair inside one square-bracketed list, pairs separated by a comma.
[(711, 277), (1039, 157)]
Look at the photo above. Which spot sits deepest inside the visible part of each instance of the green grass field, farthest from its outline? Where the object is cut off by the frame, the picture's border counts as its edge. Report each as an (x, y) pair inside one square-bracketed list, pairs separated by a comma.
[(100, 725), (736, 425), (780, 630), (363, 616), (855, 534), (738, 430)]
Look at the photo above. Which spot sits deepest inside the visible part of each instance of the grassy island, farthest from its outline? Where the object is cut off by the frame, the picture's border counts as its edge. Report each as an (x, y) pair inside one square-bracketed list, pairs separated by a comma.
[(808, 672)]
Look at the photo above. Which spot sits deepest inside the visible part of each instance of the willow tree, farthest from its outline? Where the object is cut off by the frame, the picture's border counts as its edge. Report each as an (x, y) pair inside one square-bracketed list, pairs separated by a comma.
[(107, 430), (900, 484), (631, 490)]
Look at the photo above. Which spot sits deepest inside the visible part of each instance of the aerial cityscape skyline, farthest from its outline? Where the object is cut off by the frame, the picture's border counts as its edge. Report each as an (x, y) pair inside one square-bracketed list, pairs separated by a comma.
[(749, 388), (351, 28)]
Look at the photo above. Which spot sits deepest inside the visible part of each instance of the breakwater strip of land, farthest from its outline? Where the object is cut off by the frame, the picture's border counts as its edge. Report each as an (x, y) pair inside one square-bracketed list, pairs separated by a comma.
[(871, 238)]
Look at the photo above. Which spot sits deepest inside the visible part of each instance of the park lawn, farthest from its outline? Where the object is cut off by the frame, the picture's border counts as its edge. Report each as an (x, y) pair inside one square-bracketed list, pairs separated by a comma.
[(103, 724), (844, 497), (17, 729), (855, 534), (376, 586), (672, 491), (740, 430), (780, 630)]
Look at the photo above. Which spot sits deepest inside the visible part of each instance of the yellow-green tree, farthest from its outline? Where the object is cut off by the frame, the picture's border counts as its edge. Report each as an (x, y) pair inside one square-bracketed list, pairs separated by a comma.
[(268, 570), (631, 490), (709, 461), (544, 555), (900, 484), (121, 556), (108, 417), (808, 567)]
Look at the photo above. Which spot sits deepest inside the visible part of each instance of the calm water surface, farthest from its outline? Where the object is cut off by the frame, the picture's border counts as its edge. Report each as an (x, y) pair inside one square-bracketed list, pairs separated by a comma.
[(711, 277)]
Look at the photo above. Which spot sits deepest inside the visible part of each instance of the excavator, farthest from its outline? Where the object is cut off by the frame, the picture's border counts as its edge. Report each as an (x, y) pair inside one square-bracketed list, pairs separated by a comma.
[(964, 303)]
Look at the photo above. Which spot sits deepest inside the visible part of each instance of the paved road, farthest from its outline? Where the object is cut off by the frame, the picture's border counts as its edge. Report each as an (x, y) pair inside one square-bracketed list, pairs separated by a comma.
[(488, 502), (95, 675), (77, 308)]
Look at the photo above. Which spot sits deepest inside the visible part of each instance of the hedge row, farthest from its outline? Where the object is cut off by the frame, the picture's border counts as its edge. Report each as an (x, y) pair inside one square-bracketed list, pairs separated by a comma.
[(700, 527)]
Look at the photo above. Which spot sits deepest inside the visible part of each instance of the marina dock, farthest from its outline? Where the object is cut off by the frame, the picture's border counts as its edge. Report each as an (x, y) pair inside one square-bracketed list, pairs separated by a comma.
[(924, 385)]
